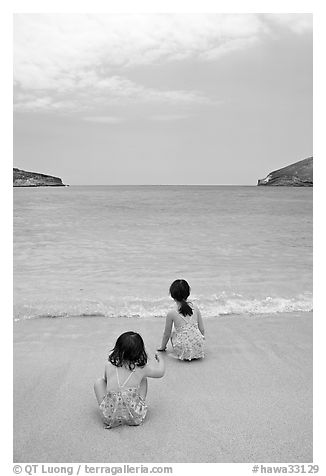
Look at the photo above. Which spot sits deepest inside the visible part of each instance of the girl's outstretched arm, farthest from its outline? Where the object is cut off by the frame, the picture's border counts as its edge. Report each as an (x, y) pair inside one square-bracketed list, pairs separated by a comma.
[(167, 331), (155, 369), (200, 323)]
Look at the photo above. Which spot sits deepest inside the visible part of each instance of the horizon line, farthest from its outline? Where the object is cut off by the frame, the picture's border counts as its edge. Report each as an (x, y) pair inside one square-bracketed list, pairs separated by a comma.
[(161, 185)]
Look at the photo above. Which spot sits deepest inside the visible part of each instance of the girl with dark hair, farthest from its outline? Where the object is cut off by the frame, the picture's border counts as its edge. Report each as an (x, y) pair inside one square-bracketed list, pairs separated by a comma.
[(188, 336), (121, 393)]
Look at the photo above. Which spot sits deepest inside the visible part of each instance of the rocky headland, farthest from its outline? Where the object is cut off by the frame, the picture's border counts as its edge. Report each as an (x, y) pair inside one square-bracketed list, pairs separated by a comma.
[(22, 178), (299, 174)]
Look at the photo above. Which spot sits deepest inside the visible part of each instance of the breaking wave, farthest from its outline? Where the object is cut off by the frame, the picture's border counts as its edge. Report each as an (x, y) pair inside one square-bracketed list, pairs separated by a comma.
[(211, 307)]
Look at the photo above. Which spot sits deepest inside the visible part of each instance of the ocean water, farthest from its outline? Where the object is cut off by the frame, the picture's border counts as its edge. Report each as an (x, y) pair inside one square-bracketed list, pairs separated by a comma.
[(114, 250)]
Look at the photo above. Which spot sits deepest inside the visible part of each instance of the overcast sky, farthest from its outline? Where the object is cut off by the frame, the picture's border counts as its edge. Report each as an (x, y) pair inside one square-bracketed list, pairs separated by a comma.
[(158, 99)]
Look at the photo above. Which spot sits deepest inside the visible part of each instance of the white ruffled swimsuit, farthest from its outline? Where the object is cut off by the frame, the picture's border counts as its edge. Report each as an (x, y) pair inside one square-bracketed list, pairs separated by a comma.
[(187, 340)]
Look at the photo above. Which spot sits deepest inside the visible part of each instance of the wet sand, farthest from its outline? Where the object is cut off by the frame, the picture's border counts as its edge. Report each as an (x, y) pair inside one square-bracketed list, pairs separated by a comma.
[(249, 400)]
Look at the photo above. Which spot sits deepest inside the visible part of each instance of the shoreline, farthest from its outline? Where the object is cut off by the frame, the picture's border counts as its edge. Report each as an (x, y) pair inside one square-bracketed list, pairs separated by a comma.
[(151, 318), (249, 400)]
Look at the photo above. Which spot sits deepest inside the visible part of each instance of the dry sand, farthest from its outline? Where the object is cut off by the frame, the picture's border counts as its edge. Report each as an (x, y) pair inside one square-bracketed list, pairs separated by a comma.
[(249, 400)]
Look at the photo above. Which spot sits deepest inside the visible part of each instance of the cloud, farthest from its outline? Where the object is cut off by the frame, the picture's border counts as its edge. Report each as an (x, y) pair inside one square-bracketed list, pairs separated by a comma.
[(104, 119), (296, 22), (49, 46), (228, 47), (92, 91), (29, 102), (77, 62), (169, 117)]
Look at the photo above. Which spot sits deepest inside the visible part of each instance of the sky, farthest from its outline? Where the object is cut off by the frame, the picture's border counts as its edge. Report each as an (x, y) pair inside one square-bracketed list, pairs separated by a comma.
[(162, 98)]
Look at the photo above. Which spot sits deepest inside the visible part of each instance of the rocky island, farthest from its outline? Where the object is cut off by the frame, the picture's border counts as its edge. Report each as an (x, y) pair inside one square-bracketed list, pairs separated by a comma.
[(22, 178), (299, 174)]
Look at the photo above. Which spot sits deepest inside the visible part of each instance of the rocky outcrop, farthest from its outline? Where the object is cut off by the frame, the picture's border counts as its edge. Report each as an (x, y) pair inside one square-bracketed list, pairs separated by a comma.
[(32, 179), (299, 174)]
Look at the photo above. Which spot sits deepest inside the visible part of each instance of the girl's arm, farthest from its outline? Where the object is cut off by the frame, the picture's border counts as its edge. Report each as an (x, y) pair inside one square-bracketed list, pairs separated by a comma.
[(200, 323), (106, 371), (167, 331), (155, 369)]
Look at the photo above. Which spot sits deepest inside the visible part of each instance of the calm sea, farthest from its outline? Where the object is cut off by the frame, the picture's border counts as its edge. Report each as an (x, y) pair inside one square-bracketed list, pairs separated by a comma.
[(114, 250)]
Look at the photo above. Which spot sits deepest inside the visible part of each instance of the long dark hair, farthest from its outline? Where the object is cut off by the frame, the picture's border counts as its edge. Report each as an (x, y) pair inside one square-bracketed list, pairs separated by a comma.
[(129, 350), (180, 291)]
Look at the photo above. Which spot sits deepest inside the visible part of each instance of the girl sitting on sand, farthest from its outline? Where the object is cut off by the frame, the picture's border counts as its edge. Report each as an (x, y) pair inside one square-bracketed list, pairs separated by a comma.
[(121, 394), (188, 336)]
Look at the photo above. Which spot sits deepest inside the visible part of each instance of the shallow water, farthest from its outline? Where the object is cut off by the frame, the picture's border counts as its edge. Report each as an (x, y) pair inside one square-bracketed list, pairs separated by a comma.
[(114, 250)]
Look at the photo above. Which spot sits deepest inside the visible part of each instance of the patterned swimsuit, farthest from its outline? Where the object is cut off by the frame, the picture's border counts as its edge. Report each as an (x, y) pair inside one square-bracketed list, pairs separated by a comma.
[(188, 341), (123, 407)]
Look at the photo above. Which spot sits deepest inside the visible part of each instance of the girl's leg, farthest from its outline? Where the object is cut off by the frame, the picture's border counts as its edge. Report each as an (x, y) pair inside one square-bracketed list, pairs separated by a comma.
[(100, 389), (143, 388)]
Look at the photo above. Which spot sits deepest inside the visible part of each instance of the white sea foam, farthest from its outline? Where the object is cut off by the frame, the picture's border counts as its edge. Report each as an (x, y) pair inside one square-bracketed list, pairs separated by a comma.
[(211, 307)]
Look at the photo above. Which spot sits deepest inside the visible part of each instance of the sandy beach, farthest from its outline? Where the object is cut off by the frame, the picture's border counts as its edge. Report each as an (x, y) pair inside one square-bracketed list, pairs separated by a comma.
[(249, 400)]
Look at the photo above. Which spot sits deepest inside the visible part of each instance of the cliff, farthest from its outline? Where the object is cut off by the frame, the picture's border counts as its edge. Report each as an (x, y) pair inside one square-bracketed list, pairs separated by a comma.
[(32, 179), (299, 174)]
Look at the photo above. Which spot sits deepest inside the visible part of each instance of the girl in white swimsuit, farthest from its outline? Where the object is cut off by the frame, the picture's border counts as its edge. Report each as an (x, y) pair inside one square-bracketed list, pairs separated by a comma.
[(124, 403), (188, 336)]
